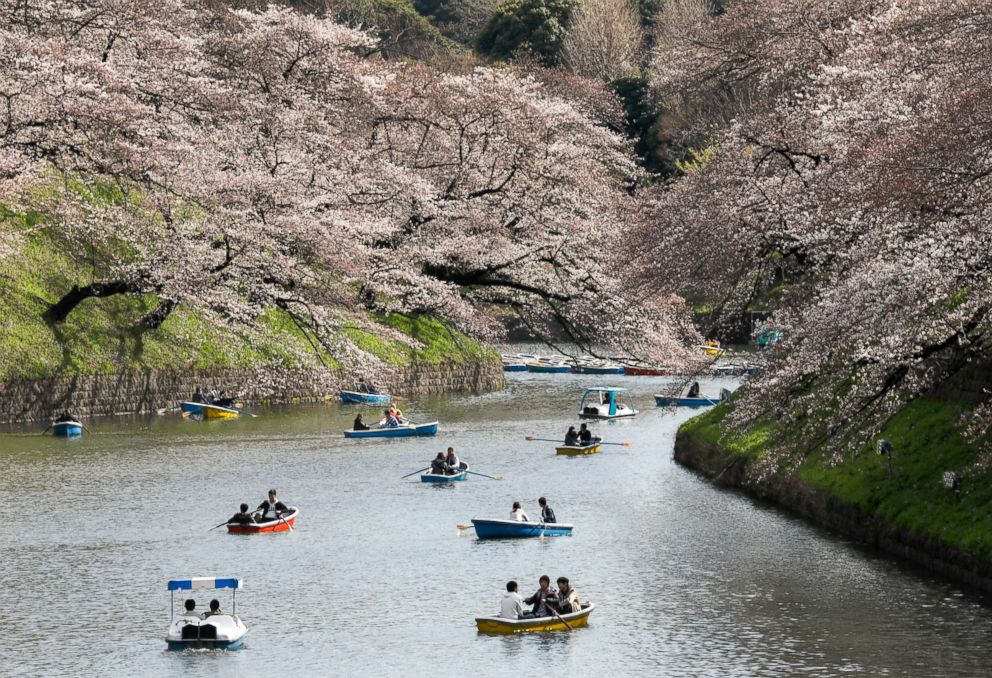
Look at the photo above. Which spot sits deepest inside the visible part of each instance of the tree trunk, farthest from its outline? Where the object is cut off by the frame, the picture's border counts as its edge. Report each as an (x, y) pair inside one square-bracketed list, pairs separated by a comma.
[(60, 310)]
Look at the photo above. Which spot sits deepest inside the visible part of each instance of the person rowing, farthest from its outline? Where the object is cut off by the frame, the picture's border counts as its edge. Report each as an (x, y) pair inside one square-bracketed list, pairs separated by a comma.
[(439, 466), (540, 598), (390, 420), (452, 462), (273, 503), (586, 437), (566, 601), (571, 437), (242, 517), (224, 400), (547, 514)]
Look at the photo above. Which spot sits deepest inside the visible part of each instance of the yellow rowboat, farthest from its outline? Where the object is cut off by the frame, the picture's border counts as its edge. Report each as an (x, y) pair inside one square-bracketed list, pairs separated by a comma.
[(576, 450), (535, 625)]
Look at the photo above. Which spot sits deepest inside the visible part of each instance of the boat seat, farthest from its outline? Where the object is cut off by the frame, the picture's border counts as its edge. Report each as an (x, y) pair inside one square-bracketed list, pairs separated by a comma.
[(191, 632), (208, 632)]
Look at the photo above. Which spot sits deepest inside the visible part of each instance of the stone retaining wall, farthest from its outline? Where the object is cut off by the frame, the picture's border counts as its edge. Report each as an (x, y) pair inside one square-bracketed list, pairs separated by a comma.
[(146, 391)]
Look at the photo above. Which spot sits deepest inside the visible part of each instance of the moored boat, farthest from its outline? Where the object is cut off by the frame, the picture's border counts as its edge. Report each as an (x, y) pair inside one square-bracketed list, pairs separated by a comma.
[(514, 367), (646, 371), (217, 631), (67, 429), (403, 431), (283, 524), (499, 625), (578, 450), (598, 369), (445, 478), (355, 397), (513, 529), (691, 397), (546, 367), (606, 402)]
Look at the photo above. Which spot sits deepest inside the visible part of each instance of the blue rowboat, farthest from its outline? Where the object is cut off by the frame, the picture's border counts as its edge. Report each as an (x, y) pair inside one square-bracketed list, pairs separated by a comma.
[(192, 408), (353, 397), (67, 429), (437, 478), (548, 367), (428, 429), (598, 369), (669, 401), (512, 529), (514, 367)]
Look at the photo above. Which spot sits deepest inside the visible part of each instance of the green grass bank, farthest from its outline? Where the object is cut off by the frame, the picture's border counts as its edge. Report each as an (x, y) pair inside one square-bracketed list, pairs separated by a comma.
[(903, 509)]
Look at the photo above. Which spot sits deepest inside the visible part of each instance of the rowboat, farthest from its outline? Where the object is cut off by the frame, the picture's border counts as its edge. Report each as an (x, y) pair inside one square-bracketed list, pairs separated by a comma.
[(406, 430), (576, 450), (215, 631), (514, 367), (218, 412), (283, 524), (555, 368), (669, 401), (499, 625), (646, 371), (606, 402), (511, 529), (712, 348), (439, 478), (67, 429), (353, 397)]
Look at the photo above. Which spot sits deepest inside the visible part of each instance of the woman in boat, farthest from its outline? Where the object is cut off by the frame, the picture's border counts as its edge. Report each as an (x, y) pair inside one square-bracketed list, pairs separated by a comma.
[(359, 424), (452, 462), (390, 420), (566, 600), (214, 609), (547, 515), (439, 466), (272, 503), (518, 514), (586, 437), (571, 437), (540, 598)]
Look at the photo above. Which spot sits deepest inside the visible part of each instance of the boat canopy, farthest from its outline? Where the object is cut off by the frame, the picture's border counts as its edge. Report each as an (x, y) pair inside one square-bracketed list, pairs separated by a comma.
[(594, 389), (205, 583)]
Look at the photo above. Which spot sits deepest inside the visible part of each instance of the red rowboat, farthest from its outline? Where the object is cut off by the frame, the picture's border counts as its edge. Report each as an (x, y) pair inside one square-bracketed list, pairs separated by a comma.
[(647, 371), (270, 525)]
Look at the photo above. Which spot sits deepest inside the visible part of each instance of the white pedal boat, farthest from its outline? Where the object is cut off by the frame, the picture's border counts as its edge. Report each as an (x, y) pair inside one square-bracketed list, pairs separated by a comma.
[(220, 631)]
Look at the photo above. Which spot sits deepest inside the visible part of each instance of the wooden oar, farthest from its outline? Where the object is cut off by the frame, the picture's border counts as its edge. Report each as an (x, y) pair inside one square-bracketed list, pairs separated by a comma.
[(560, 618), (560, 442), (165, 410), (216, 526), (240, 411), (485, 476), (465, 527), (415, 473), (288, 524), (47, 429)]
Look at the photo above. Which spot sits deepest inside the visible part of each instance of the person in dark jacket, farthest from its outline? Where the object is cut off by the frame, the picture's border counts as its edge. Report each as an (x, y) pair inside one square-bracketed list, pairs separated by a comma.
[(242, 517), (571, 437), (439, 466), (547, 515), (359, 424), (586, 437), (273, 503), (540, 598)]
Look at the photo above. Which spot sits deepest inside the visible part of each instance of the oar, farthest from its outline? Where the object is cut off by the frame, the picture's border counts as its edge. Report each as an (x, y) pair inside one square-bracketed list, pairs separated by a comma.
[(560, 618), (165, 410), (415, 473), (47, 429), (549, 440), (288, 524), (240, 411), (485, 476), (216, 526), (465, 527)]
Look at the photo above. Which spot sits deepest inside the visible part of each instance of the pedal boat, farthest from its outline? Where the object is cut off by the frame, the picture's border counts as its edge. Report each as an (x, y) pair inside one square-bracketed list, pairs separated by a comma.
[(606, 402), (67, 429), (403, 431), (514, 529), (438, 478), (215, 632), (283, 524), (579, 450), (498, 625), (356, 397)]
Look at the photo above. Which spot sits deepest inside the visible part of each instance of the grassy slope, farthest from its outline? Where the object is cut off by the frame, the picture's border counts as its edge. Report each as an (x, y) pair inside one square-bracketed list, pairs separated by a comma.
[(926, 442), (97, 337)]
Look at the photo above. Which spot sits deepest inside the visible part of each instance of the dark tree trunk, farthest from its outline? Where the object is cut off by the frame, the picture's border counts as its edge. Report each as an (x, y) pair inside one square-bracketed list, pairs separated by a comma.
[(61, 309)]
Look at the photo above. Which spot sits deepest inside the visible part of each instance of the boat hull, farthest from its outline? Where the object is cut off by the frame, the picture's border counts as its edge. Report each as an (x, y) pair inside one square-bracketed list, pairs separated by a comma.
[(218, 412), (454, 477), (496, 625), (221, 632), (428, 429), (546, 369), (586, 414), (192, 408), (646, 371), (514, 368), (67, 429), (511, 529), (180, 645), (582, 369), (669, 401), (356, 398), (281, 525), (579, 450)]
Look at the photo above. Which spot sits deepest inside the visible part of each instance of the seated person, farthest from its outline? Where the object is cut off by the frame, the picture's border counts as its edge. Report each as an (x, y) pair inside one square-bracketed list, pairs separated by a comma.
[(359, 424), (197, 397), (586, 437), (214, 609), (571, 437), (242, 517), (272, 503), (518, 514), (452, 461), (66, 416), (390, 420), (223, 400), (694, 390), (512, 605), (190, 607), (547, 514), (439, 466), (540, 599), (364, 387), (566, 600)]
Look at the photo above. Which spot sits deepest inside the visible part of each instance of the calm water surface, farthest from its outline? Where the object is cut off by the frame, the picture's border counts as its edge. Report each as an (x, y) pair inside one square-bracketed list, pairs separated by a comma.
[(376, 579)]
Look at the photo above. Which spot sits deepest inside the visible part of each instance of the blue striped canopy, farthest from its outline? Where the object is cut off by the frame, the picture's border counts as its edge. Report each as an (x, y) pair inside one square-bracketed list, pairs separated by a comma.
[(205, 583)]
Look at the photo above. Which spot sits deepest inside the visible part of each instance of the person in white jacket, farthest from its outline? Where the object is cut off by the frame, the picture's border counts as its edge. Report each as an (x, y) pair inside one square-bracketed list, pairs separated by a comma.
[(512, 605), (518, 513)]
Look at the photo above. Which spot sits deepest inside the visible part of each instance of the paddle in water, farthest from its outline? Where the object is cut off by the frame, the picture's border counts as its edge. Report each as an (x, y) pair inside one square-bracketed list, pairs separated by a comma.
[(465, 527), (485, 476), (415, 472), (216, 526)]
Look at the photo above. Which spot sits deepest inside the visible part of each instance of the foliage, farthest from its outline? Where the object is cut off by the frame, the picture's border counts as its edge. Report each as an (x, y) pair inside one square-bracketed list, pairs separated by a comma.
[(603, 40), (461, 20), (535, 26)]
